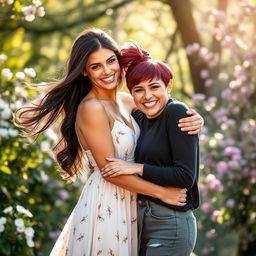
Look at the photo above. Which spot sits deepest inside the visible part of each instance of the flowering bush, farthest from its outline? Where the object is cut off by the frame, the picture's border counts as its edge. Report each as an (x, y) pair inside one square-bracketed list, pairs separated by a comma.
[(228, 171), (15, 225), (28, 175)]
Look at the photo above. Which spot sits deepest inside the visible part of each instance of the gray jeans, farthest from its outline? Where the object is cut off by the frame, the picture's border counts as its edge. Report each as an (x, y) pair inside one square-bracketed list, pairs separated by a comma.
[(165, 232)]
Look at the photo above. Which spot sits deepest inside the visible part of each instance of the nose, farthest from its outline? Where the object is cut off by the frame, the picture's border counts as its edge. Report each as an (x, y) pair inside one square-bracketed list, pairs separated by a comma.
[(106, 70), (147, 94)]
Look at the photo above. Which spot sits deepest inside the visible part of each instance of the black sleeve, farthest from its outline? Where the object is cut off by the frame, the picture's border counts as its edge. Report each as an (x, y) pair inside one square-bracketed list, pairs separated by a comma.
[(184, 149), (138, 116)]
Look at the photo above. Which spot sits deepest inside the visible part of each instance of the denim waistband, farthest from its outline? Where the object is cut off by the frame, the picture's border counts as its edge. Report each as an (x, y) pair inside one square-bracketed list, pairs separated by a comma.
[(149, 205)]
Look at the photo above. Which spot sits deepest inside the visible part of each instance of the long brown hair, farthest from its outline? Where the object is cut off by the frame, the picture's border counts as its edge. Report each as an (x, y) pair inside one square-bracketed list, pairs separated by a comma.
[(62, 99)]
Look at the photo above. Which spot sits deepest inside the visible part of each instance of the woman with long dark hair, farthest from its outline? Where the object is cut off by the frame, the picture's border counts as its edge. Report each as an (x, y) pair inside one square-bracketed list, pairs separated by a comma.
[(164, 155), (95, 123)]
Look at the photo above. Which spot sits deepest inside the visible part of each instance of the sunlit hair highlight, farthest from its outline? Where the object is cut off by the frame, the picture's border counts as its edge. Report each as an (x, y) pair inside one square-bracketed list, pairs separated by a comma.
[(140, 66)]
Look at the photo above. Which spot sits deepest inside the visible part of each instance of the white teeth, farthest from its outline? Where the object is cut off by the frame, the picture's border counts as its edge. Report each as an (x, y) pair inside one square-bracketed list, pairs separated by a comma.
[(109, 78), (150, 104)]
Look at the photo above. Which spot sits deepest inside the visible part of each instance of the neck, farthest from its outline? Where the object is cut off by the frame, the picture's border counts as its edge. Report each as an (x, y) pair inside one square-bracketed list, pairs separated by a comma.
[(101, 94)]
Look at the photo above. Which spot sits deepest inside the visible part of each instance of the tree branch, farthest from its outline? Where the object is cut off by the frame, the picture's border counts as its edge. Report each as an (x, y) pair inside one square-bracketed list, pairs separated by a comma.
[(59, 26)]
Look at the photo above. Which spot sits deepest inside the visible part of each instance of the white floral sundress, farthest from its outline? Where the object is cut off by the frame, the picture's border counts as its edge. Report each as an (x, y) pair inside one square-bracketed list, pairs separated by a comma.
[(104, 221)]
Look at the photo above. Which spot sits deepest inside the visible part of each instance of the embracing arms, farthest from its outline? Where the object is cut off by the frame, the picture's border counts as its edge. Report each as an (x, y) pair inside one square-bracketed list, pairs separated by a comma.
[(183, 154), (94, 131)]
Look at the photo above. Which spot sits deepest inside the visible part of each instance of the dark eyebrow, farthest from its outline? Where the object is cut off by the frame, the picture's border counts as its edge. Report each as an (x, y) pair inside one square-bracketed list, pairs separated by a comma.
[(154, 83), (107, 60), (151, 84)]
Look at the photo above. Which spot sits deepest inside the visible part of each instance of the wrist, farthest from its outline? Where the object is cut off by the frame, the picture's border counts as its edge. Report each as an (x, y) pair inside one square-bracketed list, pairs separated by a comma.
[(140, 169), (160, 193)]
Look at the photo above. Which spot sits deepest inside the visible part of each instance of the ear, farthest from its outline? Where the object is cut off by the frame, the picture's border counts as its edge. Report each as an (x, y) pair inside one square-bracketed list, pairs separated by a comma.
[(169, 86), (84, 73)]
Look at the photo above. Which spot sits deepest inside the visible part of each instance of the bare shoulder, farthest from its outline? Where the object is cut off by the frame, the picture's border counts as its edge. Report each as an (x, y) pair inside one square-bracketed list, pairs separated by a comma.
[(127, 100), (90, 110)]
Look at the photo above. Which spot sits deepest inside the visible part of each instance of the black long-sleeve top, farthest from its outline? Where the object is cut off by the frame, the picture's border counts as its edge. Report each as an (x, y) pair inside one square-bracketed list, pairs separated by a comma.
[(170, 156)]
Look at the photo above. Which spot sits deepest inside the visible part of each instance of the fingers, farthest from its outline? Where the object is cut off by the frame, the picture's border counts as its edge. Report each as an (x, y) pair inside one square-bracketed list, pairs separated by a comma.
[(189, 121), (111, 159), (191, 112), (111, 173), (194, 132)]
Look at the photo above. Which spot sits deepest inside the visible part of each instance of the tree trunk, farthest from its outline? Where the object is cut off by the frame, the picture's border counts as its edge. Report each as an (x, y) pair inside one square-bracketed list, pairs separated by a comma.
[(182, 12)]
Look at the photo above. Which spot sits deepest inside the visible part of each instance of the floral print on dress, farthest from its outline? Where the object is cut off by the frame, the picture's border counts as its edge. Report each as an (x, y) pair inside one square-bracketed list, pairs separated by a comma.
[(104, 220)]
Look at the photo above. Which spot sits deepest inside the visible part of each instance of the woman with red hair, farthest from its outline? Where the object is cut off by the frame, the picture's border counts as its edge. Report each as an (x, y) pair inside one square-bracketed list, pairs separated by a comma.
[(95, 122), (164, 155)]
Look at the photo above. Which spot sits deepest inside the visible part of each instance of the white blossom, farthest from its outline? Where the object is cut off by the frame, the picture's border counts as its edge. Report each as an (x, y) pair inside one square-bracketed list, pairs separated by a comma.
[(1, 228), (29, 232), (21, 229), (6, 113), (30, 243), (20, 75), (3, 132), (3, 57), (3, 220), (30, 72), (37, 3), (8, 209), (41, 11), (45, 146), (21, 209), (9, 2), (30, 17), (6, 72), (19, 222), (29, 10), (13, 132)]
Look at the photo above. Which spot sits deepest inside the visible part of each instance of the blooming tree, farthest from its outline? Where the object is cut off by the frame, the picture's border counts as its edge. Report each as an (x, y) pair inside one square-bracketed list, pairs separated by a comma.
[(228, 170)]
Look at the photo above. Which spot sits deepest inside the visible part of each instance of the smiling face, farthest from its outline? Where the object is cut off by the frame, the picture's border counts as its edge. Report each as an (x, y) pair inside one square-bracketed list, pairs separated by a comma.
[(102, 68), (150, 97)]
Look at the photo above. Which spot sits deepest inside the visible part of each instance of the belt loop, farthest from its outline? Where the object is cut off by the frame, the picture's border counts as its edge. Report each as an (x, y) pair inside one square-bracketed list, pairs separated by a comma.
[(148, 206)]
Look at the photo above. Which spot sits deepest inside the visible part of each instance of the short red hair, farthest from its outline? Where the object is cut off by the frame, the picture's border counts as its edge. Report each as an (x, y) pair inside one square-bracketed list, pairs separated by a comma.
[(140, 67)]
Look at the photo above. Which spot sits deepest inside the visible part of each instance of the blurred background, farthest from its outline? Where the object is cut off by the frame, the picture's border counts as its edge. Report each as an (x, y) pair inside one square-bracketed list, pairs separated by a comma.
[(211, 47)]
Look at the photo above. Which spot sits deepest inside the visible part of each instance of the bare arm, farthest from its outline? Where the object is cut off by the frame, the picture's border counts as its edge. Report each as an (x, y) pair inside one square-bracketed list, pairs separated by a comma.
[(93, 125)]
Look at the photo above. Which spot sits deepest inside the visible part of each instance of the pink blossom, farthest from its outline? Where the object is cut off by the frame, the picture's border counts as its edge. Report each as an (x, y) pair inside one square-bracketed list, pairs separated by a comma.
[(223, 76), (206, 207), (203, 137), (208, 82), (54, 234), (64, 194), (228, 142), (202, 187), (230, 203), (233, 164), (198, 98), (221, 168), (226, 94), (211, 234), (235, 84), (220, 113), (246, 172), (204, 73), (230, 151), (203, 52), (253, 174)]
